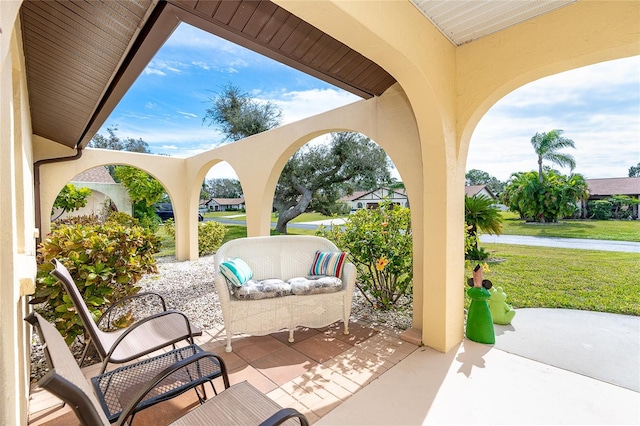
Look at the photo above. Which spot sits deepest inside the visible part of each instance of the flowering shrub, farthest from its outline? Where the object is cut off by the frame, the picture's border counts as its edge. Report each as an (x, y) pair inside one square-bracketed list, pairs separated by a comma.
[(380, 244)]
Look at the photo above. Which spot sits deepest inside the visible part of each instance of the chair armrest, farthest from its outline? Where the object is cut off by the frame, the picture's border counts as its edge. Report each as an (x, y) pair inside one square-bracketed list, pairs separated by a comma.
[(284, 415), (129, 410), (349, 273), (117, 303), (188, 334), (222, 287)]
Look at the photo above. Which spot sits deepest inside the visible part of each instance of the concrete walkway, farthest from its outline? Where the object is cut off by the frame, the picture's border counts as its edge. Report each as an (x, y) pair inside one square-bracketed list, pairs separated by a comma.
[(550, 367), (571, 243)]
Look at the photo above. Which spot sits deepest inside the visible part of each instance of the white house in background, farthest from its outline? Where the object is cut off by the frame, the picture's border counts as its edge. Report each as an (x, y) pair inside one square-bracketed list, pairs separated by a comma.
[(371, 199), (223, 204), (103, 190)]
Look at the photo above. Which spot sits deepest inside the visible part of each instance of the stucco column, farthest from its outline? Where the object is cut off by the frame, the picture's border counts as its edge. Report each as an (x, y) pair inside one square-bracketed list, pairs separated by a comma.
[(443, 272)]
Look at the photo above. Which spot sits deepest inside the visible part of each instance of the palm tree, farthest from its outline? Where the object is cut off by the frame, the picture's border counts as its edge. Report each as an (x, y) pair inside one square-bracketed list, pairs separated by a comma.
[(481, 214), (547, 145)]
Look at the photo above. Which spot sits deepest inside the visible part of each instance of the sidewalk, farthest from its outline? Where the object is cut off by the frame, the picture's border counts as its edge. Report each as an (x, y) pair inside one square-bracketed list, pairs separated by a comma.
[(571, 243), (549, 367)]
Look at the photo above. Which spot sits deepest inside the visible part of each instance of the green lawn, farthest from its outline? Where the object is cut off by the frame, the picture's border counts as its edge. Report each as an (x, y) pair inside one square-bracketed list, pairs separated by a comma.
[(540, 276), (240, 216), (233, 232), (536, 277), (621, 230)]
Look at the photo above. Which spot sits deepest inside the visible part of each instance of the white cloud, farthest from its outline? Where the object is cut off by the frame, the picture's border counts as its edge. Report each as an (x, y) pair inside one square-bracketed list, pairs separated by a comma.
[(188, 115), (152, 71), (597, 106), (297, 105)]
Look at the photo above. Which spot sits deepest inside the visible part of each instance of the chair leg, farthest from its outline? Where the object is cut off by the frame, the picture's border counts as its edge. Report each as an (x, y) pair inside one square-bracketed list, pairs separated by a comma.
[(87, 345), (228, 347)]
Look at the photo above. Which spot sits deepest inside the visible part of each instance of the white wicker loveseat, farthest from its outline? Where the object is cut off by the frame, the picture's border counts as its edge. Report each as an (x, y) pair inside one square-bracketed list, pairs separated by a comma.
[(282, 257)]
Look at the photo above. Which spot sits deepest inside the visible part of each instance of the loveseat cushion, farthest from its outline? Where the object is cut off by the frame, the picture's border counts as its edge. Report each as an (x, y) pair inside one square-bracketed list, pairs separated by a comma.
[(315, 284), (328, 263), (262, 289), (236, 271)]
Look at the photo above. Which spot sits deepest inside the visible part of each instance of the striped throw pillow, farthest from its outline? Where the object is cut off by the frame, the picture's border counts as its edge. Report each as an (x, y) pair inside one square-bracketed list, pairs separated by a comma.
[(328, 263), (236, 271)]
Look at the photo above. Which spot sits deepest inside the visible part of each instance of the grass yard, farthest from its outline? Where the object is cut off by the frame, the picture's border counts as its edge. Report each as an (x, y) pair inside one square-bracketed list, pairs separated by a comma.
[(543, 277), (620, 230), (233, 232), (240, 216)]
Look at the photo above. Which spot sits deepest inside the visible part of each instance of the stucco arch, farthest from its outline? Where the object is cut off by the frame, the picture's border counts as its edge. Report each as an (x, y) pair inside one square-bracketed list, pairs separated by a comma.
[(56, 175), (388, 120), (578, 35)]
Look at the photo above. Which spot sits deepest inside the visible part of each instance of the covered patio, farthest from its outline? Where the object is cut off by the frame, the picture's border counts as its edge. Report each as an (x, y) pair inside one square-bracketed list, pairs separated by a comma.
[(373, 377), (425, 86)]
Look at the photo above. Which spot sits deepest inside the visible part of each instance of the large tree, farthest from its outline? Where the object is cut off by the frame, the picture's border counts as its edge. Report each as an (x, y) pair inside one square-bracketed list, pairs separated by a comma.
[(318, 175), (239, 115), (115, 143), (634, 171), (479, 177), (547, 146), (221, 188)]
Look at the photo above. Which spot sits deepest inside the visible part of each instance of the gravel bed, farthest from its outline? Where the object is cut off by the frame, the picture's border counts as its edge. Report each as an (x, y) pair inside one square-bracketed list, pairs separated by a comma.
[(188, 287)]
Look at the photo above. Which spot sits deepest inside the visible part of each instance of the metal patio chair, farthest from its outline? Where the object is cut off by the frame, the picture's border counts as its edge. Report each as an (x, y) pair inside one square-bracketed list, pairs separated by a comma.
[(142, 337), (240, 404)]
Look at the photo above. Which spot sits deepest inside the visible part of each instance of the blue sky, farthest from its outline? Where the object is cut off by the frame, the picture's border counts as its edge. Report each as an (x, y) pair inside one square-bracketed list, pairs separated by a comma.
[(597, 106)]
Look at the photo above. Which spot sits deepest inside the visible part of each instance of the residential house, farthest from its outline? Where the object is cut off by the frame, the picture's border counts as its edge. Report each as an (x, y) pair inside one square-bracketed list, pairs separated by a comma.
[(601, 189), (371, 199), (473, 190), (223, 204), (105, 193), (424, 86)]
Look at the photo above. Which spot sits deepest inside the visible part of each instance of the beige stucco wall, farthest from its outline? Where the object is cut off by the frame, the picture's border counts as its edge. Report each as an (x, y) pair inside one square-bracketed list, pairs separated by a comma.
[(424, 123), (17, 243), (449, 89)]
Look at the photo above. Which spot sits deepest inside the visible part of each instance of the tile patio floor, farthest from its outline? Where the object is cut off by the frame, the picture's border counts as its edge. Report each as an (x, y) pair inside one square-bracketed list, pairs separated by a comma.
[(315, 374)]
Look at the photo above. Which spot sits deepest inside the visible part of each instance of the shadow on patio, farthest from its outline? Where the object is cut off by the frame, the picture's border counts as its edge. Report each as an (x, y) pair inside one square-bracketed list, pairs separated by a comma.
[(551, 366), (315, 374)]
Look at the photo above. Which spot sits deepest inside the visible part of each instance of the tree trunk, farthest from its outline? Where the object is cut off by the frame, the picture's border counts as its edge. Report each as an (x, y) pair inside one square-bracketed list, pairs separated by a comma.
[(284, 217), (540, 169)]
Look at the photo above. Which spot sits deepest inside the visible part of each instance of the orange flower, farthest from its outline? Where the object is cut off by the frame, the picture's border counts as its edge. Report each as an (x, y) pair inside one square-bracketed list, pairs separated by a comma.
[(382, 262), (385, 224)]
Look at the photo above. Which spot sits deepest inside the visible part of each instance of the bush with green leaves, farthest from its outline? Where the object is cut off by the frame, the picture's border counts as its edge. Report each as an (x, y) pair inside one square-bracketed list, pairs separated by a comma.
[(210, 236), (553, 198), (70, 199), (105, 261), (380, 243), (600, 209), (622, 206)]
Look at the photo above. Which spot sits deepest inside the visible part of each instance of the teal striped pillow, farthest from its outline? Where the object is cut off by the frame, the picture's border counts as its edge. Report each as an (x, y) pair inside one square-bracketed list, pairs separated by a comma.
[(236, 271), (328, 263)]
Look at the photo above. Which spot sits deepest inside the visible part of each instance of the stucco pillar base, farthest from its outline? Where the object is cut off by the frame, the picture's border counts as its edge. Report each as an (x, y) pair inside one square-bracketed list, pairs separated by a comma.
[(412, 335)]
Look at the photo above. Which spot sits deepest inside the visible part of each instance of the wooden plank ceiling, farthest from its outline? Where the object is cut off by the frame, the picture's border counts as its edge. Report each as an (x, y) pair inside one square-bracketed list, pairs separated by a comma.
[(81, 57)]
